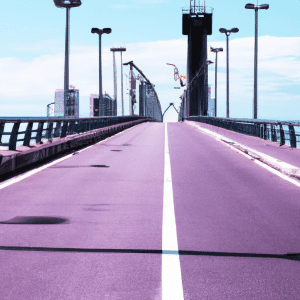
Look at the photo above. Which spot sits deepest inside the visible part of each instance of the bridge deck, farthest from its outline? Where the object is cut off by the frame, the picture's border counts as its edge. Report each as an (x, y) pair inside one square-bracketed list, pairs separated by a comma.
[(233, 218)]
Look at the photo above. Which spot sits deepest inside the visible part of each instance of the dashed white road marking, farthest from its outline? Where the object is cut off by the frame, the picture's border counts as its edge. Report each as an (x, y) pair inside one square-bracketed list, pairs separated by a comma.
[(171, 272)]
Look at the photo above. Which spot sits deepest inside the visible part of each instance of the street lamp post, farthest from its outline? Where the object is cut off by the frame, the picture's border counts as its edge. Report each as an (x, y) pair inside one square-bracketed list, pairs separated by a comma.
[(216, 50), (48, 109), (256, 8), (121, 50), (67, 4), (227, 32), (100, 32)]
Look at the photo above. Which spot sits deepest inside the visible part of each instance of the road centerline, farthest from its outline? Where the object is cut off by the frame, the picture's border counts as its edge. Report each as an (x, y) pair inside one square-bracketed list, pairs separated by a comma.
[(171, 273)]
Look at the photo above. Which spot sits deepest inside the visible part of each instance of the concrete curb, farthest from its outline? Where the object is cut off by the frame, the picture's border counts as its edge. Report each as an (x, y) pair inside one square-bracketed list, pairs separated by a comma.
[(13, 162), (275, 163)]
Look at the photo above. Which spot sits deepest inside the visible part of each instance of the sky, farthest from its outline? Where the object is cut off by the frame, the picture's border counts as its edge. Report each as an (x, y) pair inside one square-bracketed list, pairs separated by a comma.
[(32, 37)]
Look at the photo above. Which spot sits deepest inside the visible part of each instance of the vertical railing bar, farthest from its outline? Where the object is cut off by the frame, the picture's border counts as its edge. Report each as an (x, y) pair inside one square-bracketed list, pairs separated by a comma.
[(64, 129), (14, 136), (49, 131), (282, 137), (2, 125), (28, 133), (38, 138), (57, 129)]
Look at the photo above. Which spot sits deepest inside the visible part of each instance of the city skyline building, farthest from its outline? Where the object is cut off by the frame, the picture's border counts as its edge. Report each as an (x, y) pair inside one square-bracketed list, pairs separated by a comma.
[(106, 107), (211, 103), (71, 107)]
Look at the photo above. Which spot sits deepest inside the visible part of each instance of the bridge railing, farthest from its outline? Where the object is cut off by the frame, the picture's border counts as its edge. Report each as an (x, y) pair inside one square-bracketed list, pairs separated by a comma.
[(283, 132), (152, 107), (16, 130)]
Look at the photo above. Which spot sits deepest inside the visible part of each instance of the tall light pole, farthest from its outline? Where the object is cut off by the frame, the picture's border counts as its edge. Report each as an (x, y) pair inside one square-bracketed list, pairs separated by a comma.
[(227, 32), (216, 50), (256, 8), (100, 32), (120, 49), (67, 4)]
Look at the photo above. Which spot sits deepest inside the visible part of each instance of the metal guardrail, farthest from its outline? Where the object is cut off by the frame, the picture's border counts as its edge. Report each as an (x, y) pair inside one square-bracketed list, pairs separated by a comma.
[(276, 131), (62, 128)]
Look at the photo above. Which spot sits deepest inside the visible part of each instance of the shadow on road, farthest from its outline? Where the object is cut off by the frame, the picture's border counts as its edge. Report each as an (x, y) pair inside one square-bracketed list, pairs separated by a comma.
[(289, 256)]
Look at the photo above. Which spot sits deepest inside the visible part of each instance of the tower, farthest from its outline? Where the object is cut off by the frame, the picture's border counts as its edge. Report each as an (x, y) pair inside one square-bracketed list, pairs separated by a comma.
[(197, 24)]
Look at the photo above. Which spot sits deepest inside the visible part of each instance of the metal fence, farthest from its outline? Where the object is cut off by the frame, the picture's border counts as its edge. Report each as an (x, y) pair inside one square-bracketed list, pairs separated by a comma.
[(16, 130), (149, 102), (282, 132)]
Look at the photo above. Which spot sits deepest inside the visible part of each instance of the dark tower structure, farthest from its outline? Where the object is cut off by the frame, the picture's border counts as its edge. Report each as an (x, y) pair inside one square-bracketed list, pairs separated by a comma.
[(197, 24)]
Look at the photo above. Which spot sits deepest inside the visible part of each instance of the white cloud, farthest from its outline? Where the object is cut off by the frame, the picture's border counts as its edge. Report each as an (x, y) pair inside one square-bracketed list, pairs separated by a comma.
[(32, 83)]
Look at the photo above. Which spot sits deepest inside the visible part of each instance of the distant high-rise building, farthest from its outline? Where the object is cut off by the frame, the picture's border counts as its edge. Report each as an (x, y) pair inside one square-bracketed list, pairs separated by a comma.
[(94, 105), (71, 107), (106, 107), (211, 104)]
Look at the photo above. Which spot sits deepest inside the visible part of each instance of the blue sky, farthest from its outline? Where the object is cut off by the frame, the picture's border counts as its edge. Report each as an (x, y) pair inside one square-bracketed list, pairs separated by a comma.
[(32, 53)]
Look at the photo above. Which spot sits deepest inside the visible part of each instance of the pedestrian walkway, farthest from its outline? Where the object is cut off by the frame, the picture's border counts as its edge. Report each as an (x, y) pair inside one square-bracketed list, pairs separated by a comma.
[(284, 153)]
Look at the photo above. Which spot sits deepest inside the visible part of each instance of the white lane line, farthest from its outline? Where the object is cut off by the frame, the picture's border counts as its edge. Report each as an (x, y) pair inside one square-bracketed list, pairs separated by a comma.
[(171, 273), (32, 172)]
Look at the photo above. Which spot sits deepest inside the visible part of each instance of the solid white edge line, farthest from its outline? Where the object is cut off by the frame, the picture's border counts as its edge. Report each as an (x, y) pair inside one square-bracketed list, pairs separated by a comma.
[(32, 172), (270, 169), (170, 272)]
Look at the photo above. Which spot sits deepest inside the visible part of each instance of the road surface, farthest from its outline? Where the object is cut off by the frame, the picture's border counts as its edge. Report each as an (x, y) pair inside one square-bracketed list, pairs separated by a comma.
[(91, 226)]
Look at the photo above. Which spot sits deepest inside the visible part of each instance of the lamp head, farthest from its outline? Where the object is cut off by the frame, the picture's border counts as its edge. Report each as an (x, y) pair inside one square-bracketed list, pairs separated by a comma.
[(216, 49), (250, 6), (234, 30), (67, 3), (106, 30), (128, 63), (264, 6), (222, 30), (96, 30), (100, 31)]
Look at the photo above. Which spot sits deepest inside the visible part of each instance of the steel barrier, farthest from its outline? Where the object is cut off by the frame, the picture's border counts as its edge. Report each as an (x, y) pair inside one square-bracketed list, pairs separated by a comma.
[(276, 131), (62, 128)]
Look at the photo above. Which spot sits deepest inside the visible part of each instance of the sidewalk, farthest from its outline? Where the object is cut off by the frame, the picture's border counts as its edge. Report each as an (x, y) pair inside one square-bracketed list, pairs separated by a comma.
[(24, 156), (283, 158)]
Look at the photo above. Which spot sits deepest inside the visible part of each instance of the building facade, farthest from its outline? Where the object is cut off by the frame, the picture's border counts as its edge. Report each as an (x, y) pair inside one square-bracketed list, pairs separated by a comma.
[(106, 107), (71, 107)]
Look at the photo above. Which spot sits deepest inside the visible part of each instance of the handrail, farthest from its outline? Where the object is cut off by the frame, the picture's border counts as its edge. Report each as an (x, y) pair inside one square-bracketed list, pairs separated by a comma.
[(265, 129), (63, 127)]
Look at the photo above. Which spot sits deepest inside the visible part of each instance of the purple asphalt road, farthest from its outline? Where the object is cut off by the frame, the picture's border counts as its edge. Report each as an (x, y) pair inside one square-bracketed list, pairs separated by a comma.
[(117, 205), (226, 203), (112, 198)]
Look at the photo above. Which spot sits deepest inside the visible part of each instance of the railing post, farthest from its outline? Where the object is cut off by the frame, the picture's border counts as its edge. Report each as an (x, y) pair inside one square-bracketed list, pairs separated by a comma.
[(273, 134), (282, 138), (265, 131), (261, 134), (292, 136), (57, 129), (39, 133), (49, 131), (27, 136), (64, 129), (14, 136), (71, 127), (257, 130), (2, 124)]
